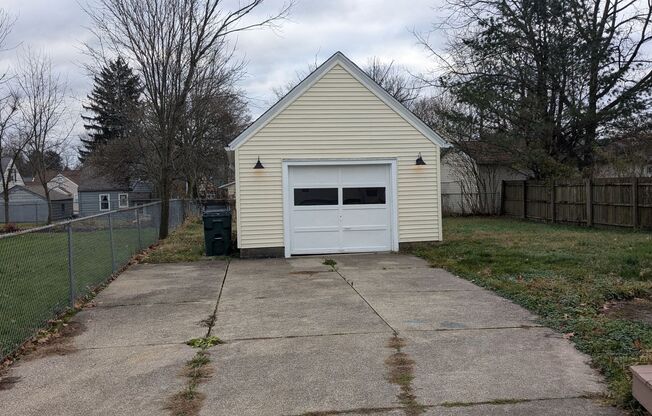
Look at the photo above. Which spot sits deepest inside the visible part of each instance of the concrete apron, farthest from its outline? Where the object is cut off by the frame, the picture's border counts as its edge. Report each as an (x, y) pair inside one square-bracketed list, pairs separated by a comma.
[(302, 338), (128, 350), (382, 334)]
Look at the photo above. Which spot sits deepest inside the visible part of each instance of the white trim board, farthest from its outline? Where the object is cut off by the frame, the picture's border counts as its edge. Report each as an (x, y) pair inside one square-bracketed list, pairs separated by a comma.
[(337, 59), (339, 162)]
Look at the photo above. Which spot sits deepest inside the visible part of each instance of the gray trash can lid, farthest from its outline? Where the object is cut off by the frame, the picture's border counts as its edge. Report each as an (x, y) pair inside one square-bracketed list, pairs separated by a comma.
[(217, 211)]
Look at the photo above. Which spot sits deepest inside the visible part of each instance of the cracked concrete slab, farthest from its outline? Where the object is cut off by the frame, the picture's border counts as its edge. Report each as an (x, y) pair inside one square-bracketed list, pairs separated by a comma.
[(145, 284), (378, 261), (108, 381), (287, 284), (299, 375), (302, 340), (379, 280), (553, 407), (142, 324), (500, 364), (448, 310), (331, 313)]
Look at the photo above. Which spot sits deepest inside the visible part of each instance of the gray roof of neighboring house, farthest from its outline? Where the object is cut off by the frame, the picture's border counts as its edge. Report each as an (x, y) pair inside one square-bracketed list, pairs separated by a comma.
[(90, 180), (55, 195), (4, 162), (38, 191)]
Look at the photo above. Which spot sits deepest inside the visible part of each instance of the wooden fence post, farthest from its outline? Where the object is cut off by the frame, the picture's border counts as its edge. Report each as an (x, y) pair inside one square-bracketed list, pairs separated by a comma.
[(588, 185), (635, 202), (524, 208), (552, 201)]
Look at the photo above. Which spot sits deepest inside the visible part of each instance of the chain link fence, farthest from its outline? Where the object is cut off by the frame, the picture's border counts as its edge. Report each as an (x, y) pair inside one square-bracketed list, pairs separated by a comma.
[(43, 271)]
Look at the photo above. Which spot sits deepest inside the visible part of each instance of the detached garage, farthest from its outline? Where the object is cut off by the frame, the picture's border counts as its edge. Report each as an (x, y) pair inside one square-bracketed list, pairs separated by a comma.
[(336, 166)]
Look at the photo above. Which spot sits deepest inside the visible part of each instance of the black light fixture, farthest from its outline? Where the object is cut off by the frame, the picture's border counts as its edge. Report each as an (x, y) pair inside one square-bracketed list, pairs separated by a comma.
[(420, 160), (259, 165)]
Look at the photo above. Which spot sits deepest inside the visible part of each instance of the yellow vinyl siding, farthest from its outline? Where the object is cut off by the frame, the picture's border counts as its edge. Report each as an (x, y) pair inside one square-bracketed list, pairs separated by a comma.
[(336, 118)]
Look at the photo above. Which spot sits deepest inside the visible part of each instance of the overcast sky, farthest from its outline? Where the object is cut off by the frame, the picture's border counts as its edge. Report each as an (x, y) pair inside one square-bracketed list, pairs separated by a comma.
[(315, 30)]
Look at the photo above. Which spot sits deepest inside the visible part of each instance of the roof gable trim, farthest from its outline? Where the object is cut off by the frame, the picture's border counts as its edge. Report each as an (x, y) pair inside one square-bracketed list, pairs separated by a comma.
[(337, 59)]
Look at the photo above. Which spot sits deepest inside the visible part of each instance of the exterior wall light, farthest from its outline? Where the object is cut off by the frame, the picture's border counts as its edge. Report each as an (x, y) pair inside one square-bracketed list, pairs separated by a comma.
[(259, 165), (420, 160)]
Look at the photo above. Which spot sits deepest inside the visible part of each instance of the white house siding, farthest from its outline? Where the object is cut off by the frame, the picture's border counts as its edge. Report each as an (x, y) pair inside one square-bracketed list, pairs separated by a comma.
[(337, 117)]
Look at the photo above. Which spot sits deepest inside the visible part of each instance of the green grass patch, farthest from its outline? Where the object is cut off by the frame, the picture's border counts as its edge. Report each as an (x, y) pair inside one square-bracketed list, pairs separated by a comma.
[(204, 342), (565, 275), (34, 279), (185, 244)]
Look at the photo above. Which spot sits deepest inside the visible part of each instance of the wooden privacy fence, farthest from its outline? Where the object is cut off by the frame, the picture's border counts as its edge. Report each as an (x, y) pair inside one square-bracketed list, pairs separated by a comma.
[(620, 202)]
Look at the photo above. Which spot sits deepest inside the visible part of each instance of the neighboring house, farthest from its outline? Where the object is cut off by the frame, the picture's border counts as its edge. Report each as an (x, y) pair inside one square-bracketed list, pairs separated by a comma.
[(229, 189), (27, 204), (471, 177), (11, 172), (625, 157), (337, 165), (67, 182), (99, 193)]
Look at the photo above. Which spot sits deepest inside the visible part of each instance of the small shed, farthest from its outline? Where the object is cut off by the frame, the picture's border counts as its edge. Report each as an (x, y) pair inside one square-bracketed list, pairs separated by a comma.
[(336, 166)]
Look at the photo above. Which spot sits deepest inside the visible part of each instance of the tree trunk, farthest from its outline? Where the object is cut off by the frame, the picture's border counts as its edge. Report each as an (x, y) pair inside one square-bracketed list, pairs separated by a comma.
[(165, 203), (47, 200), (5, 196)]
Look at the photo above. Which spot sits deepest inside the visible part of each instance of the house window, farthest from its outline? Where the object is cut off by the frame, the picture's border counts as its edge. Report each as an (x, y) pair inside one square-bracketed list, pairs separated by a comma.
[(12, 175), (123, 200), (105, 202)]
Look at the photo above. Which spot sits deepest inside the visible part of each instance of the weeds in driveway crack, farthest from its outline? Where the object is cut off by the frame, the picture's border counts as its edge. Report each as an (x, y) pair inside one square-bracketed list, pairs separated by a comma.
[(188, 401), (401, 373)]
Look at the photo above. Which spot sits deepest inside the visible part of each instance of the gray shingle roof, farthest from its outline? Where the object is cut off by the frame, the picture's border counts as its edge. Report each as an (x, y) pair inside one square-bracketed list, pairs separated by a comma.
[(90, 180)]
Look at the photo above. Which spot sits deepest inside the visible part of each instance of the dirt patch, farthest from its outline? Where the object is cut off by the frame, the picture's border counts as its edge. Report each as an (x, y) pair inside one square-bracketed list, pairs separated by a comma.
[(185, 403), (401, 372), (637, 309), (55, 343), (308, 273), (7, 383)]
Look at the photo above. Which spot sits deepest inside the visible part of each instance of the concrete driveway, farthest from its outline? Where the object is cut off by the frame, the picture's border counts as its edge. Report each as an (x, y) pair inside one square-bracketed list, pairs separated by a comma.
[(375, 334)]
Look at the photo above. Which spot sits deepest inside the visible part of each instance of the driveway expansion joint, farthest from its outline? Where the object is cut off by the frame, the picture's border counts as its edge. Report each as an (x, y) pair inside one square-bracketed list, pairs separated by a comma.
[(335, 334), (365, 300)]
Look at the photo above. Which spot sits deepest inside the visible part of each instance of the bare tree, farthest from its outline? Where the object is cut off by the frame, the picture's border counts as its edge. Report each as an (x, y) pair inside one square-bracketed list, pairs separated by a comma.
[(553, 77), (169, 41), (10, 143), (391, 77), (43, 114), (395, 80), (216, 113)]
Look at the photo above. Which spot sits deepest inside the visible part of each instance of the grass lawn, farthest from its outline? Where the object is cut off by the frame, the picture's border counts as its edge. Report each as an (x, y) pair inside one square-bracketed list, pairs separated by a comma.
[(34, 279), (185, 244), (568, 276)]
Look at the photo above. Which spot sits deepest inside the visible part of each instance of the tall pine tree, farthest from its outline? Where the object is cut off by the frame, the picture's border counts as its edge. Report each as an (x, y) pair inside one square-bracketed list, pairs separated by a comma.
[(113, 101)]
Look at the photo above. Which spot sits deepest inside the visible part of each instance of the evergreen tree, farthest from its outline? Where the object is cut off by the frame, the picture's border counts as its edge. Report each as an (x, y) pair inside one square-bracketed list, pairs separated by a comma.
[(113, 101)]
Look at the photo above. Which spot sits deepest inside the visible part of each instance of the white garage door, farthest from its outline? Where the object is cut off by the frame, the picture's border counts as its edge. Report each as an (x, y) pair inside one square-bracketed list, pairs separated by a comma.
[(339, 209)]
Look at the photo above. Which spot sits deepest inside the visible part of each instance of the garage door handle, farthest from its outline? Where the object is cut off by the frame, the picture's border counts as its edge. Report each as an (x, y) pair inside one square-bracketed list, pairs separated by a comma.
[(346, 228)]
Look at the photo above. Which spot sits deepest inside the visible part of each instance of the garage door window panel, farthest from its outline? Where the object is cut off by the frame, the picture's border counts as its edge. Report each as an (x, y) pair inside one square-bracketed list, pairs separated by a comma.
[(315, 196), (364, 196)]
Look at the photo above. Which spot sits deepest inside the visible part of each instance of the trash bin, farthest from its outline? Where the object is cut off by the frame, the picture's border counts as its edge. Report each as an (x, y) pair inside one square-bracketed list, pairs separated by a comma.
[(217, 230)]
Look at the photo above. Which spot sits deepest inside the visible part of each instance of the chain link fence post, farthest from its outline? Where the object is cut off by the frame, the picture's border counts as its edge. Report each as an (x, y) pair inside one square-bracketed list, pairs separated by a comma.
[(71, 270), (111, 241), (140, 239)]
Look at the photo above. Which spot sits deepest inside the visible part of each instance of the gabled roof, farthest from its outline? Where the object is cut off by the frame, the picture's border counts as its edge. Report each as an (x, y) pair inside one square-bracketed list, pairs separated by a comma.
[(90, 180), (337, 59), (37, 191)]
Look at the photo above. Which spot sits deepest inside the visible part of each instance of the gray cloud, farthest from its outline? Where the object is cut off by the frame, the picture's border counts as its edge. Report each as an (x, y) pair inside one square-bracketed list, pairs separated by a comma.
[(315, 30)]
